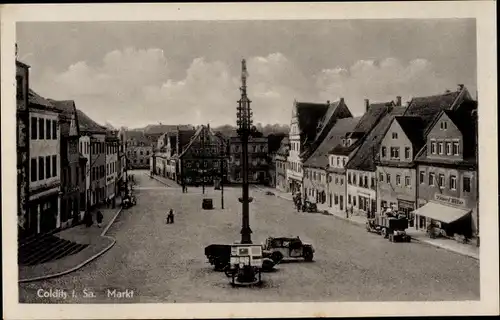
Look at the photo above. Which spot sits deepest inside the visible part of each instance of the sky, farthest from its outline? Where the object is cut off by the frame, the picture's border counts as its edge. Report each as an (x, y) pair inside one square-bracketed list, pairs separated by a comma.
[(188, 72)]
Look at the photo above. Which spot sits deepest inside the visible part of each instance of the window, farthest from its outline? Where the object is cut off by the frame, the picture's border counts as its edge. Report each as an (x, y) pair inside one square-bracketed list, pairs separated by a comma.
[(354, 177), (431, 178), (421, 177), (398, 179), (354, 201), (394, 135), (448, 148), (54, 165), (381, 177), (453, 182), (330, 179), (338, 161), (336, 180), (41, 128), (407, 152), (456, 148), (441, 181), (433, 147), (349, 199), (440, 148), (142, 153), (341, 181), (444, 125), (47, 166), (349, 178), (388, 178), (394, 152), (407, 181), (384, 152), (48, 128), (41, 167), (336, 198), (373, 183), (343, 162), (466, 183), (34, 125), (33, 170)]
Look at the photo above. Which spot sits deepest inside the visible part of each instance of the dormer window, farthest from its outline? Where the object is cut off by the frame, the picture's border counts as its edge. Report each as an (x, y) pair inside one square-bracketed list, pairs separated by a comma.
[(349, 142), (343, 162), (394, 135)]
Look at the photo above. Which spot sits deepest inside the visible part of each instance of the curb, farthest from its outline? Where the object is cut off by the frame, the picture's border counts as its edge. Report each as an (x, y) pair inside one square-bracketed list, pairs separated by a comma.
[(113, 241), (95, 256), (162, 182)]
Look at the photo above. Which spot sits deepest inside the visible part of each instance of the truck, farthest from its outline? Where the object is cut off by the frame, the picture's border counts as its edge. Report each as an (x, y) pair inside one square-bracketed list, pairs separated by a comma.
[(391, 225)]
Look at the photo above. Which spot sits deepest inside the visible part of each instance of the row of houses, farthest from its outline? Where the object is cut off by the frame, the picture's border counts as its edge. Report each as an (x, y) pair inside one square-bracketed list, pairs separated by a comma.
[(196, 156), (420, 158), (67, 163)]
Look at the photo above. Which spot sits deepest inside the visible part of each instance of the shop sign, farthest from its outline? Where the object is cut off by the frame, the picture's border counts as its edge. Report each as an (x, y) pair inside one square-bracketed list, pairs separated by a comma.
[(449, 199)]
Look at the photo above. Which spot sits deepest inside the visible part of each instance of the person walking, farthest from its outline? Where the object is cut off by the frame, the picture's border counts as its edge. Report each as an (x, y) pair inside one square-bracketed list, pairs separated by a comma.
[(99, 218)]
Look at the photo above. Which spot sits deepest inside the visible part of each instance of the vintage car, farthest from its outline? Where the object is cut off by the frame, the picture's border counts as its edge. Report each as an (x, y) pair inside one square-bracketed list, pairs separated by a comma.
[(309, 207), (219, 255), (287, 248), (269, 193), (129, 201)]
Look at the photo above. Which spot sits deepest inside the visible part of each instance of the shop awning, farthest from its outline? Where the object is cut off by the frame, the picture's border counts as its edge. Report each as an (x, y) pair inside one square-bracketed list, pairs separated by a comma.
[(441, 212)]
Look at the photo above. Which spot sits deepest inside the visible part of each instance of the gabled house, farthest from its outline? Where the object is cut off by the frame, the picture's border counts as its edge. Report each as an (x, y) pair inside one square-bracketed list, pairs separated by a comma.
[(200, 160), (396, 169), (310, 124), (447, 186), (342, 171), (316, 174), (273, 145), (72, 165)]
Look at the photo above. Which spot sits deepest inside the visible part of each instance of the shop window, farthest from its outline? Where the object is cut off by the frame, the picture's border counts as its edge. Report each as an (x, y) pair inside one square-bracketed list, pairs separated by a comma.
[(467, 184)]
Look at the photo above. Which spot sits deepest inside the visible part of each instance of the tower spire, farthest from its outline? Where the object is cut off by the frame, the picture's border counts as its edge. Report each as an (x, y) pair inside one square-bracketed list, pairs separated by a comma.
[(244, 75)]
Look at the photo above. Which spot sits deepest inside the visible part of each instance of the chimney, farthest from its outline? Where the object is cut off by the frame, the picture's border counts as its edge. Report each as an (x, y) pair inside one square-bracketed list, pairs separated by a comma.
[(460, 87), (398, 101), (367, 104), (341, 100)]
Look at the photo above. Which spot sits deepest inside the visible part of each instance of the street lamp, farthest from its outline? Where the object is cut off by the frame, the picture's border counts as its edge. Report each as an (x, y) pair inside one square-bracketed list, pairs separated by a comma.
[(245, 128)]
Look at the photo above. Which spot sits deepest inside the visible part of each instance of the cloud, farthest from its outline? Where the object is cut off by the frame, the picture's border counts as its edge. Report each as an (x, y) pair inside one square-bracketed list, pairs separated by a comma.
[(133, 87)]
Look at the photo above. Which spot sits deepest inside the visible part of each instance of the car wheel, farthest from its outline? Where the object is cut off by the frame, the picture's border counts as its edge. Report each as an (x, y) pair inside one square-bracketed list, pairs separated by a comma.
[(276, 256)]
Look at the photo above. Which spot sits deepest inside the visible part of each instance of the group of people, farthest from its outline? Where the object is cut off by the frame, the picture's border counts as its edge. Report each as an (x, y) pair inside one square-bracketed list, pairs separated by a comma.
[(89, 221)]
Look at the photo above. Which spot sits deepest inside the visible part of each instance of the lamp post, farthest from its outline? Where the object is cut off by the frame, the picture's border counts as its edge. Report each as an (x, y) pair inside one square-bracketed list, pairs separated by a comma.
[(244, 123)]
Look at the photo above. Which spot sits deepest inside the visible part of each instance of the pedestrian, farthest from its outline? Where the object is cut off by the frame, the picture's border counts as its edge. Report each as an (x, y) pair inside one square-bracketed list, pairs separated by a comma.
[(99, 218), (170, 217)]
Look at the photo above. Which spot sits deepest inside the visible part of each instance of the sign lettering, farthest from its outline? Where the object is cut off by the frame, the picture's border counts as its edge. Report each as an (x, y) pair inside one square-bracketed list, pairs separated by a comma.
[(449, 199)]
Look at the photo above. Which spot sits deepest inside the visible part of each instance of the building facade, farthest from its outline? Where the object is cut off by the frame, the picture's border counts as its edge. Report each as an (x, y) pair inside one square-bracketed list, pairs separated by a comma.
[(447, 175), (72, 164), (139, 150), (112, 144), (22, 144), (44, 213), (85, 196), (281, 165), (98, 168), (257, 160), (204, 159)]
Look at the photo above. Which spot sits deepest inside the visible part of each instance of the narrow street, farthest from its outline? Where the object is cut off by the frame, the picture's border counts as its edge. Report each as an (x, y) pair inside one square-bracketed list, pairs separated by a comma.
[(166, 263)]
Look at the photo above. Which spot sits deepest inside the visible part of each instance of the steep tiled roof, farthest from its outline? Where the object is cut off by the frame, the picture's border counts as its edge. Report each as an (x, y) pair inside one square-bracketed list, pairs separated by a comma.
[(364, 158), (36, 99), (319, 158), (428, 107), (86, 124), (159, 129), (274, 142), (196, 134), (309, 116), (413, 127), (138, 136), (368, 121), (68, 110)]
